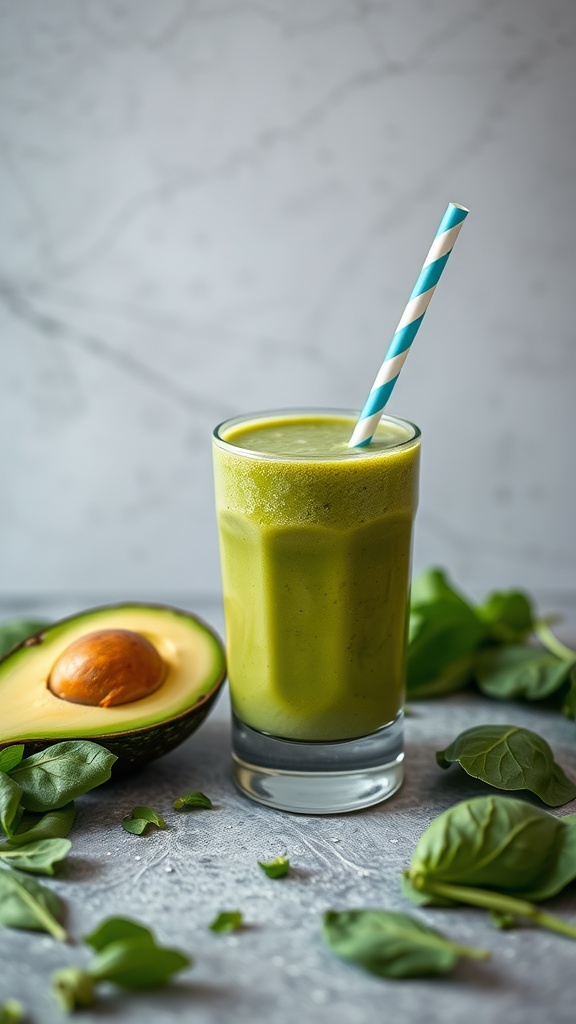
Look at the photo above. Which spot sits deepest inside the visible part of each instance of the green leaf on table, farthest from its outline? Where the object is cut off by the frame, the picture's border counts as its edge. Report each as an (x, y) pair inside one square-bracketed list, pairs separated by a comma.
[(51, 825), (12, 1012), (519, 671), (127, 955), (10, 796), (511, 758), (510, 616), (11, 756), (15, 631), (141, 820), (392, 945), (118, 929), (62, 772), (37, 858), (277, 868), (498, 853), (137, 963), (24, 903), (227, 921), (194, 801)]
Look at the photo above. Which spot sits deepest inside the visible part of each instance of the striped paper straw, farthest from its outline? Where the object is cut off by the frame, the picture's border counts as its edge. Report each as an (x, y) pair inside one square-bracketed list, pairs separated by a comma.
[(410, 321)]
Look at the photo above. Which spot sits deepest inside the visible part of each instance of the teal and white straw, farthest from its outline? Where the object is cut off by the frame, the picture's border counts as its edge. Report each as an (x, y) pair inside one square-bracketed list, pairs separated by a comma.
[(410, 321)]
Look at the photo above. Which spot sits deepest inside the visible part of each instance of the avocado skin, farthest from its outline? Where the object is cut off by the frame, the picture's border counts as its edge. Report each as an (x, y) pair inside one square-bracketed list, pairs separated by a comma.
[(135, 748)]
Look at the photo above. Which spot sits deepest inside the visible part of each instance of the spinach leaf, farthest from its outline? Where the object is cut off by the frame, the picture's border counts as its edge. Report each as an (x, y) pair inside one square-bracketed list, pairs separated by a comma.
[(519, 671), (440, 634), (133, 964), (11, 756), (12, 1012), (508, 757), (498, 853), (142, 819), (392, 945), (10, 795), (276, 868), (432, 585), (52, 825), (193, 800), (118, 929), (510, 616), (24, 903), (227, 921), (61, 772), (127, 955), (38, 858), (15, 631)]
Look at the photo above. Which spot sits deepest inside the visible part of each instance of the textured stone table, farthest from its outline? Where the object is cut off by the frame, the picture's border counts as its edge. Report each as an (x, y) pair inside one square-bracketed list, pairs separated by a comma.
[(277, 970)]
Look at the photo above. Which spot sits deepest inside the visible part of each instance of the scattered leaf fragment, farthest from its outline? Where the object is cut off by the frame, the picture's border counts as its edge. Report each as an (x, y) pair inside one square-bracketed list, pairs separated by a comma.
[(141, 819), (276, 868), (197, 801), (227, 921)]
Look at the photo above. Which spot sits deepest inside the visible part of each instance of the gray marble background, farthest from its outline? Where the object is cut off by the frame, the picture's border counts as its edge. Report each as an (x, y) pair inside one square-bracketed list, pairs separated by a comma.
[(211, 206)]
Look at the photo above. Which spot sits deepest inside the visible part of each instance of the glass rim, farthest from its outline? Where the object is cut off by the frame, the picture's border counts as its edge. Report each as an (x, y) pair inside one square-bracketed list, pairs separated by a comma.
[(311, 411)]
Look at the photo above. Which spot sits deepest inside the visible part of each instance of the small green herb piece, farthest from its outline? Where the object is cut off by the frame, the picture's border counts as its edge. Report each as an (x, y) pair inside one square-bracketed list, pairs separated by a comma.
[(12, 1012), (24, 903), (227, 921), (15, 631), (498, 853), (392, 945), (276, 868), (503, 921), (193, 800), (508, 757), (141, 819), (10, 796), (73, 988), (519, 671), (37, 858), (11, 756), (61, 772)]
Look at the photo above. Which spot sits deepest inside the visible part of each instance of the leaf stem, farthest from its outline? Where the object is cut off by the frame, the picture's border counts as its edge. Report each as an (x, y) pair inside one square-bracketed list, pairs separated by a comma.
[(552, 643), (490, 900), (44, 916)]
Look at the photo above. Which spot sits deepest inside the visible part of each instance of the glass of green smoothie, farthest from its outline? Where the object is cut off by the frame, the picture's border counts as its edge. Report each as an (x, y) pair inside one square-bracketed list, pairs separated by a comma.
[(315, 544)]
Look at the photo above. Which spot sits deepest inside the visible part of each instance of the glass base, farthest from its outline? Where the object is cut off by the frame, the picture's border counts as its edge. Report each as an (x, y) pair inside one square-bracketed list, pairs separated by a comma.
[(318, 778)]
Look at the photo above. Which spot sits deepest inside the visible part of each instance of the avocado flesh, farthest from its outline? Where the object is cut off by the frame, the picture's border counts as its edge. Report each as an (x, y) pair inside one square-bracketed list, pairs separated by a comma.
[(195, 671)]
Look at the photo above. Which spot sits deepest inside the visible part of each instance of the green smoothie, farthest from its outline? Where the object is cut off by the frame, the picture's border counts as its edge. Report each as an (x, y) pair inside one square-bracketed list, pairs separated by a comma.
[(315, 542)]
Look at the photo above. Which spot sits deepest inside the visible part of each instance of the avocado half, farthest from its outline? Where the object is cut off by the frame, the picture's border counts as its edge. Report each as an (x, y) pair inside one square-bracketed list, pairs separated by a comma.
[(137, 732)]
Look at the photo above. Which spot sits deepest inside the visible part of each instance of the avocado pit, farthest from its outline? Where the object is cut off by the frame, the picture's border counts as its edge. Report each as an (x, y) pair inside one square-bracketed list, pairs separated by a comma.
[(106, 668)]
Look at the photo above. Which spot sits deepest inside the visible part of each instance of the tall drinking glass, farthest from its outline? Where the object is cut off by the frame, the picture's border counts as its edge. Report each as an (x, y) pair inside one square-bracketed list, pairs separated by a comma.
[(315, 544)]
